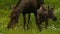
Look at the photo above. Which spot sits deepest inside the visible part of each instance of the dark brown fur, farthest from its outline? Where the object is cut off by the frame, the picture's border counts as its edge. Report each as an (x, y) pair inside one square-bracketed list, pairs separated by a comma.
[(24, 7), (43, 14)]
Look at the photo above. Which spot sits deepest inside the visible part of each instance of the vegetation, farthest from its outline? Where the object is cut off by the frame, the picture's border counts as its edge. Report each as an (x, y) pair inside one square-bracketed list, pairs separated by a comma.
[(54, 26)]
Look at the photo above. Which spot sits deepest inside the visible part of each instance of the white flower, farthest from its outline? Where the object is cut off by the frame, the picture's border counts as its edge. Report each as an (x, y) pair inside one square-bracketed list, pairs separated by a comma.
[(53, 27)]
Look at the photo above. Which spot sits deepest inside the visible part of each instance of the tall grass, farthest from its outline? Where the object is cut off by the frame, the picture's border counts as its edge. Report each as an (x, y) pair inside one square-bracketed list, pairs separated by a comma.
[(18, 29)]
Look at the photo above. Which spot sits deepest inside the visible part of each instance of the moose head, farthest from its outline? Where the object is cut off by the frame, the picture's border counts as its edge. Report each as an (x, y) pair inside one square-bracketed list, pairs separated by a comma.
[(51, 13)]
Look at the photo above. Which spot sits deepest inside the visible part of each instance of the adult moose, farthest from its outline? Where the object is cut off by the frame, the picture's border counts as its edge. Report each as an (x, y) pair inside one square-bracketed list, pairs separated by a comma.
[(43, 14), (24, 7)]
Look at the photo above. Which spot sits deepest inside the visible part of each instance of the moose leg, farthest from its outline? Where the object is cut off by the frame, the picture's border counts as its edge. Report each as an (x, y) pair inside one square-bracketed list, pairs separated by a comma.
[(36, 18), (35, 14), (24, 17), (46, 22), (38, 22), (28, 21)]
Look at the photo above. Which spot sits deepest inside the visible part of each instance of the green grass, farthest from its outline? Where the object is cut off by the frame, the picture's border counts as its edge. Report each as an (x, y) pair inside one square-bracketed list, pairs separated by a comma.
[(18, 29)]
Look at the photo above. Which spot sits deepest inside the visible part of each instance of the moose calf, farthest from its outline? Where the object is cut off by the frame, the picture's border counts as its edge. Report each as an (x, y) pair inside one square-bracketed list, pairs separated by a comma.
[(43, 14)]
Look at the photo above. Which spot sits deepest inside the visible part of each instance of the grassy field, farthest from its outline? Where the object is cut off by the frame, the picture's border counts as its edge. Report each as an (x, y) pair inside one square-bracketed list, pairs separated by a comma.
[(54, 26)]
